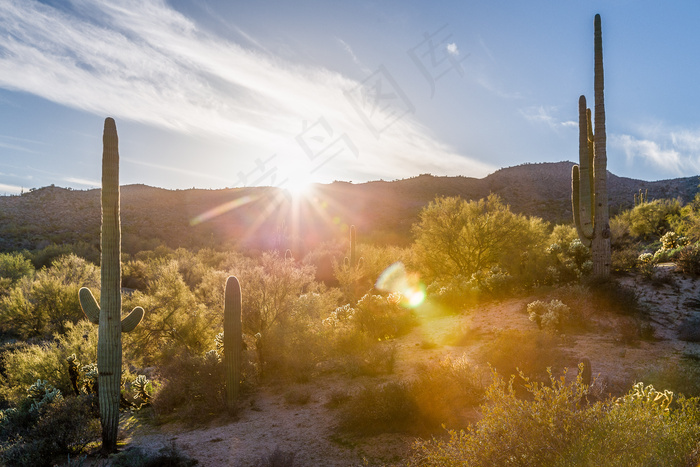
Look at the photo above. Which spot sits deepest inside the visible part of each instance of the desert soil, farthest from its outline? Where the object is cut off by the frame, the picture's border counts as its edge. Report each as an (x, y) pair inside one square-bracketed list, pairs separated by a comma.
[(267, 422)]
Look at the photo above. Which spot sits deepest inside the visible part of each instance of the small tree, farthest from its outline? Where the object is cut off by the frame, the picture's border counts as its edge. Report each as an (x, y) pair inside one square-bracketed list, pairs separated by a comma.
[(455, 237)]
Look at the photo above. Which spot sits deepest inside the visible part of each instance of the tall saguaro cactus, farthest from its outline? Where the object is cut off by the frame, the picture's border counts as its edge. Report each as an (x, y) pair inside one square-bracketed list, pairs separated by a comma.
[(233, 340), (108, 313), (589, 193)]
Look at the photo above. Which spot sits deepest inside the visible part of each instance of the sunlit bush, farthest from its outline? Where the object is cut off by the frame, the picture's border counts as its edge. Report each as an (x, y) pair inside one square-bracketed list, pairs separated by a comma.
[(531, 352), (48, 361), (458, 237), (193, 388), (42, 304), (556, 426), (13, 266), (454, 293), (173, 320), (646, 262), (688, 260)]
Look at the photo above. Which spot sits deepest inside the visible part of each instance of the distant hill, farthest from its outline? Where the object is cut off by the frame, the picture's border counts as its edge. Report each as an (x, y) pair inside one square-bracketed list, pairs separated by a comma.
[(263, 217)]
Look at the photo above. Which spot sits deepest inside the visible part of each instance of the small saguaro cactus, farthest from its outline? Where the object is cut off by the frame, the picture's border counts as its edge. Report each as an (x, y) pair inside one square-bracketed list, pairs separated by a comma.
[(586, 371), (589, 194), (641, 198), (108, 313), (233, 340), (353, 251), (352, 261)]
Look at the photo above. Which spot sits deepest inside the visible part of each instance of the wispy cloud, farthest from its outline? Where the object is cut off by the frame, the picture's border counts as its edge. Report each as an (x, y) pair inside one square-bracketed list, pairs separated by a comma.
[(352, 55), (491, 86), (80, 181), (675, 154), (142, 60), (10, 189), (546, 115)]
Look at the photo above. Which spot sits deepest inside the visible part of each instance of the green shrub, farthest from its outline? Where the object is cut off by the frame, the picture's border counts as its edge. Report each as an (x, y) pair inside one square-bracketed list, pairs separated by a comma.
[(688, 260), (48, 361), (494, 282), (45, 426), (531, 352), (46, 256), (383, 317), (555, 426), (453, 294), (624, 259), (572, 260), (641, 428), (42, 304), (192, 388), (651, 220), (681, 377), (174, 322), (443, 390), (515, 431), (380, 408), (458, 237), (14, 266)]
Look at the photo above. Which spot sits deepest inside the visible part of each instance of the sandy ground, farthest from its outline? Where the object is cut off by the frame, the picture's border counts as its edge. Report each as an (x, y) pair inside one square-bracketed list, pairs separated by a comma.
[(267, 422)]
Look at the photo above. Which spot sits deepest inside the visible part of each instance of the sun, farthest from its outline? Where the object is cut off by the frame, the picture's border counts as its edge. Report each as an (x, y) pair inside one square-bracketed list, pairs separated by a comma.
[(298, 183)]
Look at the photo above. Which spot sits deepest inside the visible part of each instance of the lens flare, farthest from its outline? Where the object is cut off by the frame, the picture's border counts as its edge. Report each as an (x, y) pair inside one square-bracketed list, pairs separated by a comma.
[(221, 209), (395, 279)]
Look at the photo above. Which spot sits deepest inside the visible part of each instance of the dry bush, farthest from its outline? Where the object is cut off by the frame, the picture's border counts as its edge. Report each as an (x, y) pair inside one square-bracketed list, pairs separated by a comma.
[(531, 352)]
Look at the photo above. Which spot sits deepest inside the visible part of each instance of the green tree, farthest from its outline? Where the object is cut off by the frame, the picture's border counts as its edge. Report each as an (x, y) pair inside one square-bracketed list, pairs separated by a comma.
[(458, 237), (14, 266), (42, 304), (174, 320), (651, 220)]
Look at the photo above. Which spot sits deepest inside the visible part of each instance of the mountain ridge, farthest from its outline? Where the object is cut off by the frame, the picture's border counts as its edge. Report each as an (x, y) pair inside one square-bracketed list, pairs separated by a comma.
[(266, 217)]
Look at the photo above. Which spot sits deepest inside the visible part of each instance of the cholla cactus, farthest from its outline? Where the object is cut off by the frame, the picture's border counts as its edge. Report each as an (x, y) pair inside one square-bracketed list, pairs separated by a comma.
[(90, 375), (549, 316), (74, 372), (42, 393), (671, 240), (648, 396), (143, 388)]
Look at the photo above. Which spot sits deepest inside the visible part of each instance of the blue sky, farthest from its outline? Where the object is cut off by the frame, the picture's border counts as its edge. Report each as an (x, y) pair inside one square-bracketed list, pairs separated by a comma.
[(214, 93)]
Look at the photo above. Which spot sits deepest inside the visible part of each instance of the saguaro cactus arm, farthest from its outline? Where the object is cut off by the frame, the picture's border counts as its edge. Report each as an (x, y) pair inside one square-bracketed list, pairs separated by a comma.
[(582, 194), (92, 311)]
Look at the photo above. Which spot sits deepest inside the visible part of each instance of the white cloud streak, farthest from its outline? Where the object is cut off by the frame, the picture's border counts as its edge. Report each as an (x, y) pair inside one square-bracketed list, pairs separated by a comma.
[(10, 189), (676, 154), (546, 116), (143, 61), (81, 181)]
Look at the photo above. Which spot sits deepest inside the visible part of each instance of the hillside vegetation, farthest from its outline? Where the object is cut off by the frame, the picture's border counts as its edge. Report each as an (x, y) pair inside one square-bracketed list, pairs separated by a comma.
[(311, 318)]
